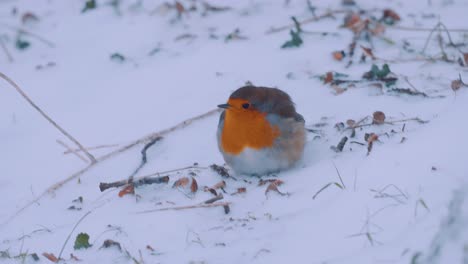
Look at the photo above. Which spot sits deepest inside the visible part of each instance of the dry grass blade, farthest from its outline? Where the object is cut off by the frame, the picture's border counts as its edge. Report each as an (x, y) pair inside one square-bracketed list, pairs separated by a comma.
[(325, 187)]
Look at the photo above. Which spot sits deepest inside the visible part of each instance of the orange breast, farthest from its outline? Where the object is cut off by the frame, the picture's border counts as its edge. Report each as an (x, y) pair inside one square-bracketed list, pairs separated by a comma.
[(247, 129)]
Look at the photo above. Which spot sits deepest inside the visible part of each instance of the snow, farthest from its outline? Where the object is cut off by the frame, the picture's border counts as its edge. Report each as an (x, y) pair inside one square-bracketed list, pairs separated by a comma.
[(101, 101)]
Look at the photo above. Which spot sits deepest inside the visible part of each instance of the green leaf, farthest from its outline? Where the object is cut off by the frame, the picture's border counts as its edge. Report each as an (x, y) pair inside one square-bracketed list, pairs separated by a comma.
[(297, 24), (117, 57), (22, 44), (374, 70), (295, 41), (384, 72), (82, 241), (89, 5)]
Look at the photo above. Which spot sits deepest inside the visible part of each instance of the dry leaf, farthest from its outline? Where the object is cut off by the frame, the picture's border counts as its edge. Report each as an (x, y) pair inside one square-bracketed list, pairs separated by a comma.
[(50, 256), (211, 190), (371, 137), (368, 52), (194, 186), (338, 90), (182, 182), (378, 118), (273, 186), (378, 29), (350, 122), (150, 248), (219, 185), (338, 55), (465, 56), (456, 84), (389, 13), (129, 189), (241, 190), (179, 7), (351, 20), (328, 77)]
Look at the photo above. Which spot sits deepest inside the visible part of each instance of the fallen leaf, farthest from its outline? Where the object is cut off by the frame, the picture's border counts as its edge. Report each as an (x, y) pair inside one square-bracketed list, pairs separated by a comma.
[(180, 8), (211, 190), (129, 189), (273, 186), (241, 190), (378, 29), (295, 41), (111, 243), (219, 185), (350, 122), (182, 182), (263, 182), (456, 84), (465, 56), (50, 256), (150, 248), (220, 170), (194, 186), (338, 90), (351, 20), (368, 52), (328, 77), (389, 13), (338, 55), (378, 118)]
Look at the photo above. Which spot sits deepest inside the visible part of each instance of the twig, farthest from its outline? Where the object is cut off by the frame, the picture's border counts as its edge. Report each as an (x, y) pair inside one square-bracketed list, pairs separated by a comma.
[(417, 119), (91, 148), (24, 31), (305, 21), (426, 29), (138, 182), (203, 205), (174, 170), (143, 156), (214, 199), (69, 235), (63, 144), (25, 96), (5, 49), (106, 157)]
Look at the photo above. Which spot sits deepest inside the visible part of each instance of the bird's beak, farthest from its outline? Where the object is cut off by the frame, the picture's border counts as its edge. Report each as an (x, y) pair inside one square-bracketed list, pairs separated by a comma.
[(224, 106)]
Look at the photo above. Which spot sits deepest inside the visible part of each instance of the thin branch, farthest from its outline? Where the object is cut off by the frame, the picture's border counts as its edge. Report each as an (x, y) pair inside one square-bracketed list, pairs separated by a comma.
[(203, 205), (305, 21), (405, 28), (91, 148), (136, 182), (63, 144), (24, 31), (69, 235), (25, 96)]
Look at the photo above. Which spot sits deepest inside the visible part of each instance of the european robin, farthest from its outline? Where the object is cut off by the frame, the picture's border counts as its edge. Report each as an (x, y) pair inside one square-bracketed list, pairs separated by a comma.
[(260, 132)]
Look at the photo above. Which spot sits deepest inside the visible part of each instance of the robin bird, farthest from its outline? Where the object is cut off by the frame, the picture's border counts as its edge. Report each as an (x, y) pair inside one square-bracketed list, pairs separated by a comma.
[(260, 132)]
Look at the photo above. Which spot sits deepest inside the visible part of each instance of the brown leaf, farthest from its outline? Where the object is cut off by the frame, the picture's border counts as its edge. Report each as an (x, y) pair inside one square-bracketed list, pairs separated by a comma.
[(350, 122), (465, 56), (456, 84), (338, 55), (241, 190), (211, 190), (372, 137), (338, 90), (351, 20), (50, 256), (368, 52), (389, 13), (273, 186), (179, 7), (378, 118), (219, 185), (194, 186), (129, 189), (378, 29), (328, 77), (182, 182)]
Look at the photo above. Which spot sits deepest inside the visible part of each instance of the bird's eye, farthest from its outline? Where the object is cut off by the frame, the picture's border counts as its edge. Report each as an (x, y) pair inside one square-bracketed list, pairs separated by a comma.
[(245, 106)]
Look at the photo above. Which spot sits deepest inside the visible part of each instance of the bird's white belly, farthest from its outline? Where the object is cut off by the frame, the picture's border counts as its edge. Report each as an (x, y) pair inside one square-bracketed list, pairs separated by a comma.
[(252, 161)]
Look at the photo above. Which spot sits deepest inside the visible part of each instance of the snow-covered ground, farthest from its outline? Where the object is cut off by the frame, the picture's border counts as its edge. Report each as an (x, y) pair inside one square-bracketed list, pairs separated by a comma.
[(404, 202)]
